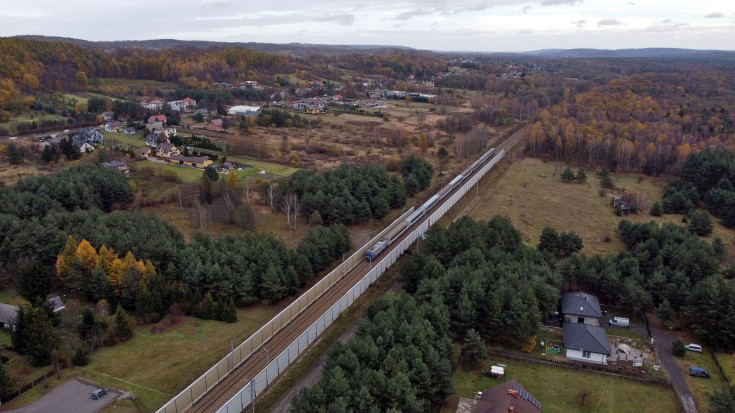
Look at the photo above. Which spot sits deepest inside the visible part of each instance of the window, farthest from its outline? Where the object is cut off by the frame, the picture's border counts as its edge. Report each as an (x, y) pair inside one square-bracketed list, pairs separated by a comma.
[(586, 354), (580, 320)]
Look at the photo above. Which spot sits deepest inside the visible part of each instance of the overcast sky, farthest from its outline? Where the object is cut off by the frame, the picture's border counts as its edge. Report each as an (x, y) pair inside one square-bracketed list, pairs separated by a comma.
[(461, 25)]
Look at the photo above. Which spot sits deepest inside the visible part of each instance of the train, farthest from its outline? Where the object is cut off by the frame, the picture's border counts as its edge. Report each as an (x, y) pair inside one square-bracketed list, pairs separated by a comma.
[(396, 232)]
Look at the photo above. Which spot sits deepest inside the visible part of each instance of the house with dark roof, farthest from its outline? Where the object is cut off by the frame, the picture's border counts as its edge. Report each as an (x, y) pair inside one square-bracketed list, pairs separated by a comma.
[(153, 140), (113, 126), (508, 397), (578, 307), (56, 304), (166, 150), (92, 136), (8, 314), (586, 343), (145, 152), (120, 166), (129, 131), (108, 116)]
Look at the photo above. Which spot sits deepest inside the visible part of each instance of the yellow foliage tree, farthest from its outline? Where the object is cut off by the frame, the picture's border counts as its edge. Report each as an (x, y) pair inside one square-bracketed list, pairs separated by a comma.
[(530, 346), (233, 180), (87, 255), (65, 260)]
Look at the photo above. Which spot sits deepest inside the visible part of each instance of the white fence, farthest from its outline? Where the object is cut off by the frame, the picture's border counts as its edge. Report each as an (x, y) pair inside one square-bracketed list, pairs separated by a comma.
[(197, 389), (245, 396)]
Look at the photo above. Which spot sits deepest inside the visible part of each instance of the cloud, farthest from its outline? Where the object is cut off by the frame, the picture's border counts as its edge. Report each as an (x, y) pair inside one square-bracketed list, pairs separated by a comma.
[(526, 9), (525, 31), (714, 15), (666, 21), (580, 23), (664, 28), (560, 2), (609, 22), (345, 19), (413, 13)]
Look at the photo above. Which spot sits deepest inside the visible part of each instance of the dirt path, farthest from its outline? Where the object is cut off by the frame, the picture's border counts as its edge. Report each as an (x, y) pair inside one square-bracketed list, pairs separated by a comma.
[(314, 374), (662, 340)]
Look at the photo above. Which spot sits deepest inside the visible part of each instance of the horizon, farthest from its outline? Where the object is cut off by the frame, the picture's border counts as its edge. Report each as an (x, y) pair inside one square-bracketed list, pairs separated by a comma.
[(493, 26)]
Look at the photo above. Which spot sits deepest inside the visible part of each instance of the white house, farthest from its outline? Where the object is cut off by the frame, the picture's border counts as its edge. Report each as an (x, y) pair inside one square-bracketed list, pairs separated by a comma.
[(582, 308), (244, 110), (586, 343)]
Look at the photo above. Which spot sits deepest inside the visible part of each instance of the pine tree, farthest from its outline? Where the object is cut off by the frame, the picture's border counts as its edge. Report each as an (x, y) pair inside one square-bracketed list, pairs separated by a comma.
[(121, 330), (79, 358), (7, 384), (473, 349), (568, 175), (229, 312), (34, 335)]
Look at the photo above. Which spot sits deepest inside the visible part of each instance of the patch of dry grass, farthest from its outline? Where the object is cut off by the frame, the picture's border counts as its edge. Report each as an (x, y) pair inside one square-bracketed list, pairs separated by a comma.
[(530, 192)]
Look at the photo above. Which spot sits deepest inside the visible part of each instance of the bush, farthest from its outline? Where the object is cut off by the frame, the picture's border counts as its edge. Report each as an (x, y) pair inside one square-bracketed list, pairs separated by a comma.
[(79, 358), (700, 223), (656, 209), (678, 347)]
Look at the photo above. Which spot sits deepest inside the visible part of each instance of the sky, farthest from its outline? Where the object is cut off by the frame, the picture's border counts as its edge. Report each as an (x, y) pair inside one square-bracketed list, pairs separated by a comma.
[(441, 25)]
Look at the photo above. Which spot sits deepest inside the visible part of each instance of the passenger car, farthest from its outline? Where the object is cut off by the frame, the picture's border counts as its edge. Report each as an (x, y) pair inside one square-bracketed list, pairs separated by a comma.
[(694, 347), (99, 393), (699, 372)]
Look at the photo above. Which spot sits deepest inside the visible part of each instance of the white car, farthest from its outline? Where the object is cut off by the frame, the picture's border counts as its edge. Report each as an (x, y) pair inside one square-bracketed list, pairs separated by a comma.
[(694, 347)]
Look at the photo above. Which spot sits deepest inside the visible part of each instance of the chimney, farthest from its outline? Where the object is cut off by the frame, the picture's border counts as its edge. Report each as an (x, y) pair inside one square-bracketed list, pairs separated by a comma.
[(511, 409), (513, 393)]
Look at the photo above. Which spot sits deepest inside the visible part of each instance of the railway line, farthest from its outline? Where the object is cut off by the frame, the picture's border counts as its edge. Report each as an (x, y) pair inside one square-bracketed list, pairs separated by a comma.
[(226, 388)]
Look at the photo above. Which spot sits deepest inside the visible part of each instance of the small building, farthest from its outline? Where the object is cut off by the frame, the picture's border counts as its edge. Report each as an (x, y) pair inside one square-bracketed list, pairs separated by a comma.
[(145, 152), (86, 147), (108, 116), (167, 150), (114, 126), (508, 397), (244, 110), (215, 125), (56, 304), (154, 127), (153, 105), (578, 307), (120, 166), (92, 136), (129, 131), (204, 112), (200, 162), (8, 315), (586, 343)]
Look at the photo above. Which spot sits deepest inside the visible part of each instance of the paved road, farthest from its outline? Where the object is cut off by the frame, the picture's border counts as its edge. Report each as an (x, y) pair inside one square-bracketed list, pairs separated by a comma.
[(662, 340), (70, 397)]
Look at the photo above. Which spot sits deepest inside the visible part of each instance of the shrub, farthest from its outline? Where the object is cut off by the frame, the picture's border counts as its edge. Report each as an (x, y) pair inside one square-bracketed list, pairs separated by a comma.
[(678, 347)]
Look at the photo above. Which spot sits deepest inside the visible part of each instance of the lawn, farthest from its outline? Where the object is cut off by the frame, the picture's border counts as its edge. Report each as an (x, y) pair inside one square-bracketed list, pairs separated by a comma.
[(530, 192), (727, 361), (701, 387), (562, 390)]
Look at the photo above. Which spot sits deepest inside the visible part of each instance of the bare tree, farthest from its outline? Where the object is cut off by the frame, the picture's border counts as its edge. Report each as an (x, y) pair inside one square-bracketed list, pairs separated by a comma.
[(296, 209), (248, 184), (287, 205), (271, 194)]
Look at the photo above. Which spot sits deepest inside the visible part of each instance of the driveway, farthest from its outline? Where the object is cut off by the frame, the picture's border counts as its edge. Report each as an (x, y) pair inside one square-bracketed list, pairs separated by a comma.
[(70, 397), (662, 340)]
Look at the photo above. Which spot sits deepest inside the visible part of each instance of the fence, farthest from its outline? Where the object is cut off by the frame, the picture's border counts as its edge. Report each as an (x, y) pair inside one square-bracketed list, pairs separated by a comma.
[(263, 379), (197, 389), (719, 367)]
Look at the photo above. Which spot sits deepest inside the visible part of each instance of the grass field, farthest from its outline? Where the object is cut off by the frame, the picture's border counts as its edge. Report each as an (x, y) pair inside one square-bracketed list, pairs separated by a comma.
[(727, 361), (561, 390), (701, 387), (530, 192), (183, 350)]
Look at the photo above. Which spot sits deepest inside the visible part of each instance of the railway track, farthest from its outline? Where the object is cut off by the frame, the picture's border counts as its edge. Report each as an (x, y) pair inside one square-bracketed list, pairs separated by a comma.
[(238, 378)]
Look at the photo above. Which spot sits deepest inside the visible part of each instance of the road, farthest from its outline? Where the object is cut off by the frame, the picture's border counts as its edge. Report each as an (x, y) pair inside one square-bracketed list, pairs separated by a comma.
[(70, 397), (662, 340)]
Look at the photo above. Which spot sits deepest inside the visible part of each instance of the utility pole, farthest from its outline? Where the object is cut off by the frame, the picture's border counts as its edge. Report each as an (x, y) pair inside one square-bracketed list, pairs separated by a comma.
[(252, 391), (267, 360)]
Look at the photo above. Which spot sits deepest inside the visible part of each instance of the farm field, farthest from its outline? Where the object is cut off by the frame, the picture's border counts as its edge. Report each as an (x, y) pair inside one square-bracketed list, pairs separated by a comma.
[(530, 192), (562, 390)]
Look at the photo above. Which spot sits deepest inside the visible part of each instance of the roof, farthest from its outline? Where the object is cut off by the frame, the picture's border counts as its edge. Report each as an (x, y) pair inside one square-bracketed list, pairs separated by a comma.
[(165, 147), (113, 164), (188, 99), (499, 398), (584, 337), (8, 313), (193, 159), (583, 304), (145, 150), (157, 118), (56, 303), (130, 129), (216, 122)]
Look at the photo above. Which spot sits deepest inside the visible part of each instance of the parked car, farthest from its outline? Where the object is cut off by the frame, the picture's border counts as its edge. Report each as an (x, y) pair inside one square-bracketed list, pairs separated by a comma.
[(99, 393), (619, 322), (694, 347), (699, 372)]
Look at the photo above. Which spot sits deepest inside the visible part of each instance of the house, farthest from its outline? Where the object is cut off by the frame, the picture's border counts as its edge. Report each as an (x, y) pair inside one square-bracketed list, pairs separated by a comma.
[(157, 118), (108, 116), (114, 126), (86, 147), (167, 133), (204, 112), (153, 140), (129, 131), (215, 125), (200, 162), (153, 105), (166, 150), (622, 202), (145, 152), (182, 105), (120, 166), (56, 304), (8, 314), (581, 308), (154, 126), (311, 104), (189, 102), (89, 135), (586, 343), (504, 398)]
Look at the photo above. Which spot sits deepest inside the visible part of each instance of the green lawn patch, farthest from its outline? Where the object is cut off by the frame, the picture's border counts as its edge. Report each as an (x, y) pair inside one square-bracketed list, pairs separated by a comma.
[(727, 361), (562, 390), (701, 387)]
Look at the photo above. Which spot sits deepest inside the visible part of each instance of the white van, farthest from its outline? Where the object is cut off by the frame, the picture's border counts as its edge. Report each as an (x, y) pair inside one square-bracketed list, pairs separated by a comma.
[(619, 322)]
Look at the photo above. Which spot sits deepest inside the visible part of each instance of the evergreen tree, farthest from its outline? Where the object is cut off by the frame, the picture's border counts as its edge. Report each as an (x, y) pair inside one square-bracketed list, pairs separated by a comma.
[(568, 175), (7, 384), (79, 358), (581, 176), (700, 223), (473, 349), (723, 400), (605, 179), (35, 281), (656, 209), (678, 347), (229, 312), (210, 173), (121, 330), (34, 335), (665, 312)]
